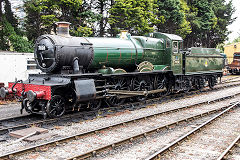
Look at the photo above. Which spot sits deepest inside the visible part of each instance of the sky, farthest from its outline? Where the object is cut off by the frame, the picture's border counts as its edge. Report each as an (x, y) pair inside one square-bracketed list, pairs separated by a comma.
[(234, 27), (17, 7)]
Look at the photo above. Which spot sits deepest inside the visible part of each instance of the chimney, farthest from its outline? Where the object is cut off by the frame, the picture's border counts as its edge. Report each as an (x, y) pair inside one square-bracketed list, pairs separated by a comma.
[(63, 28)]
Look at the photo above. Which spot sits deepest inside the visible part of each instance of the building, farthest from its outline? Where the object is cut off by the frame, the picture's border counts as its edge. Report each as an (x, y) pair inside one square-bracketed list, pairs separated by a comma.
[(230, 49), (16, 66)]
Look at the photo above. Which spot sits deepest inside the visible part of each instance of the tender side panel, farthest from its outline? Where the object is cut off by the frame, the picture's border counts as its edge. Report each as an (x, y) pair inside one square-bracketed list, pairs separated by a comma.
[(203, 63)]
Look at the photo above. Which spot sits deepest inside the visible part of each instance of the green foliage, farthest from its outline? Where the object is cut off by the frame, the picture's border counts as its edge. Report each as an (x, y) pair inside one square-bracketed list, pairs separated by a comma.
[(82, 31), (221, 47), (48, 20), (20, 44), (173, 17), (9, 14), (11, 36), (199, 22), (10, 40), (236, 40), (209, 20), (136, 16), (42, 14)]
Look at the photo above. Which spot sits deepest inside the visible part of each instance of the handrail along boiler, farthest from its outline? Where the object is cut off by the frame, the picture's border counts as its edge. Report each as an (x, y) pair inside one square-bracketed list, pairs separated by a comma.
[(88, 71)]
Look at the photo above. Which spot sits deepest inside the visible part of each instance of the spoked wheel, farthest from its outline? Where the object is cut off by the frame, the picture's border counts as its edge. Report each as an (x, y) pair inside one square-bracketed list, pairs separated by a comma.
[(212, 82), (187, 85), (30, 107), (161, 83), (199, 83), (119, 84), (140, 85), (56, 107), (95, 104)]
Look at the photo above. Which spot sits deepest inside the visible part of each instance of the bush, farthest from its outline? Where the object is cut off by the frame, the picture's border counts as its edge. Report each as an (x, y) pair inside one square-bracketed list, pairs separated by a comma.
[(10, 40)]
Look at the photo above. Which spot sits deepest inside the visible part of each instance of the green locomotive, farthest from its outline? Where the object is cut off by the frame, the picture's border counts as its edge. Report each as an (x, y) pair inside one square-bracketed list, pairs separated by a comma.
[(163, 51), (83, 71)]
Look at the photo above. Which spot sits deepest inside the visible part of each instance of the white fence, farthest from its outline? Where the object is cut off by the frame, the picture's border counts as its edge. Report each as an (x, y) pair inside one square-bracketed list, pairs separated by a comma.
[(16, 66)]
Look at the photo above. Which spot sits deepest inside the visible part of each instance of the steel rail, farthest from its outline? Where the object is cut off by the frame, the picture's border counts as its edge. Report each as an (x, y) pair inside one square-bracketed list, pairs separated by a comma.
[(182, 138), (141, 135), (229, 79), (226, 82), (228, 150), (76, 136), (13, 118), (125, 106)]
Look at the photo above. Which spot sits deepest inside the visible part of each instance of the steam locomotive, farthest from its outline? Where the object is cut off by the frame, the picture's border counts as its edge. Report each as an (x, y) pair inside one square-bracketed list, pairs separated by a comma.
[(234, 67), (83, 72)]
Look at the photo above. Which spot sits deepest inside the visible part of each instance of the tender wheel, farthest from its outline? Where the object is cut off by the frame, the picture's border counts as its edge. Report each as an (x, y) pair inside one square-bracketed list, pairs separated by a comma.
[(187, 85), (56, 107), (199, 83), (95, 104), (212, 82), (119, 84)]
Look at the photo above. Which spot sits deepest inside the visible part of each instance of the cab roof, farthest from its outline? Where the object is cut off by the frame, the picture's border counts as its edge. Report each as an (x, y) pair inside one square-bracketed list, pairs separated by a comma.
[(172, 36)]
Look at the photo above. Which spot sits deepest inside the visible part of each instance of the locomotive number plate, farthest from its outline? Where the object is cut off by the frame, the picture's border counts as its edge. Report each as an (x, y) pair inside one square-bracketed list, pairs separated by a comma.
[(177, 61), (41, 48)]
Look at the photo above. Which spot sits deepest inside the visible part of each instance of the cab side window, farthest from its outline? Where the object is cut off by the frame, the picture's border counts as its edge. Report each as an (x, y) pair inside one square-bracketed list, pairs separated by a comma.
[(168, 43), (175, 47), (180, 45)]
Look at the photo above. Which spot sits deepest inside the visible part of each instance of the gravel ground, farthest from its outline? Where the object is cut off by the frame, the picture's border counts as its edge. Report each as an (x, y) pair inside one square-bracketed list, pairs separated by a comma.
[(142, 150), (11, 110), (230, 77), (63, 131), (235, 154), (151, 144), (90, 142), (211, 141)]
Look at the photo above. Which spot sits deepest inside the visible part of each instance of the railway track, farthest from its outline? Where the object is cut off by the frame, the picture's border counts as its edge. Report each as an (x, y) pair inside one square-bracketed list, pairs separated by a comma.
[(229, 78), (141, 135), (188, 137), (128, 139), (229, 149), (235, 79), (14, 123)]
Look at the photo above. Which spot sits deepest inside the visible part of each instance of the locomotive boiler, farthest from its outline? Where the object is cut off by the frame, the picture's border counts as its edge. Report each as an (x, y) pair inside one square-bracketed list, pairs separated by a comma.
[(85, 72)]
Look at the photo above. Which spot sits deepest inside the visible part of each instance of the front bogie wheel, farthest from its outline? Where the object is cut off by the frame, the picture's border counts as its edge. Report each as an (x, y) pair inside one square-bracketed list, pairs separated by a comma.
[(56, 107)]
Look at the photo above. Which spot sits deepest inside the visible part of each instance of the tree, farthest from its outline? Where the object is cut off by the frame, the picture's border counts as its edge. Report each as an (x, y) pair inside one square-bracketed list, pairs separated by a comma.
[(136, 16), (42, 14), (223, 12), (1, 14), (11, 37), (9, 14), (209, 20), (102, 7), (10, 40), (172, 14)]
